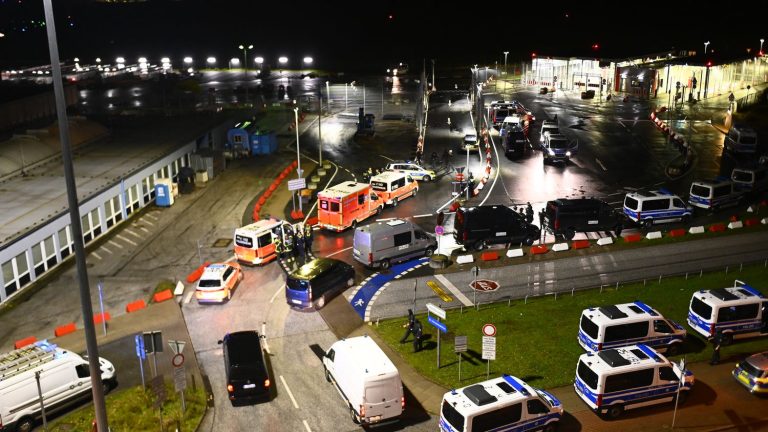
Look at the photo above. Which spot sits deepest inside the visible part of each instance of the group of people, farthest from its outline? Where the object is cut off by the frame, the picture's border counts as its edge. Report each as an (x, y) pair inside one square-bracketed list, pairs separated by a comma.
[(298, 241), (526, 212)]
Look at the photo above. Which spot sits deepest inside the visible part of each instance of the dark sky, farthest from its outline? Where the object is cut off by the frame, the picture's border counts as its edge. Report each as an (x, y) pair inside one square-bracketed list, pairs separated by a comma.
[(373, 34)]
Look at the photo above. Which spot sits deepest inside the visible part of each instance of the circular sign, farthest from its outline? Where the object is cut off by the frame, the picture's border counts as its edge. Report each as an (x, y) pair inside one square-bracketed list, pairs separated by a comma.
[(489, 330), (484, 285), (439, 230), (178, 359)]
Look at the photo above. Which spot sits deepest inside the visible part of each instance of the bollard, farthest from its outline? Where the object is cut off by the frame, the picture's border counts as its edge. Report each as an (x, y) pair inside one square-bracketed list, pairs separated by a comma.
[(509, 301), (601, 288), (572, 291), (659, 278), (726, 269), (686, 275), (701, 272), (617, 286), (526, 299), (643, 282), (461, 309), (741, 266)]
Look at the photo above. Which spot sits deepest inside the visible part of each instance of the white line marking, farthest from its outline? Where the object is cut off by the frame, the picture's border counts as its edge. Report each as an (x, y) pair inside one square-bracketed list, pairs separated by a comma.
[(385, 219), (275, 294), (132, 233), (455, 291), (295, 405), (148, 223), (391, 160), (339, 251), (96, 255), (106, 250), (424, 215), (601, 164), (188, 297), (113, 243), (306, 426), (126, 240), (144, 229), (149, 215)]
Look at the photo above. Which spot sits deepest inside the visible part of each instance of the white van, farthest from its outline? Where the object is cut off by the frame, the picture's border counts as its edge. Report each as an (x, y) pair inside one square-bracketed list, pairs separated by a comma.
[(714, 194), (750, 179), (380, 244), (741, 139), (614, 380), (366, 379), (737, 312), (392, 187), (626, 324), (647, 208), (64, 378)]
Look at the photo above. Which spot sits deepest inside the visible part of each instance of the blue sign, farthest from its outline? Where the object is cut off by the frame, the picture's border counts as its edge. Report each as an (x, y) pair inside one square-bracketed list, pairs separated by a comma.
[(140, 352), (437, 324)]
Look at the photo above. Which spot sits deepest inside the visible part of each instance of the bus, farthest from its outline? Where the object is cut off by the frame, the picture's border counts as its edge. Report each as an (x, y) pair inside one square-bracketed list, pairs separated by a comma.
[(256, 243)]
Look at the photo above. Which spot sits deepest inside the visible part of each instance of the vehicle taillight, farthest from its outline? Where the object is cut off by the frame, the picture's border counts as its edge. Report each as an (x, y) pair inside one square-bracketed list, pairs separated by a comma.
[(362, 410), (370, 258), (599, 400), (230, 388), (639, 217), (465, 236), (266, 383), (712, 329), (599, 346), (402, 402)]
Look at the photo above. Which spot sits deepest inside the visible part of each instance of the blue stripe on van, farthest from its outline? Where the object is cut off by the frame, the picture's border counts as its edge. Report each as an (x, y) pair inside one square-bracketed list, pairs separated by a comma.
[(649, 352), (751, 290), (365, 293), (646, 308)]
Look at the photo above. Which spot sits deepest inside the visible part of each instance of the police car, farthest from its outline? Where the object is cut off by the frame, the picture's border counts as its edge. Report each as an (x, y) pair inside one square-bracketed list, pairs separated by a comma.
[(416, 172), (217, 282), (505, 403), (470, 143), (752, 373), (649, 207)]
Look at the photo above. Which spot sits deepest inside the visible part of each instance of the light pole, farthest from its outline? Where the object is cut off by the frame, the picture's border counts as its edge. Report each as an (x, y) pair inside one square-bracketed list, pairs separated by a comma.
[(211, 61), (245, 67), (233, 61), (346, 96), (505, 62), (761, 46), (705, 47), (298, 159)]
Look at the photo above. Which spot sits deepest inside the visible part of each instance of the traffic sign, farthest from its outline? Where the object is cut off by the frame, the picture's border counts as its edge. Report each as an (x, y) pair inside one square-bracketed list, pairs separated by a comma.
[(475, 271), (489, 354), (177, 346), (140, 352), (297, 184), (460, 344), (436, 310), (489, 348), (437, 324), (158, 388), (177, 360), (439, 230), (484, 285), (489, 330), (179, 378)]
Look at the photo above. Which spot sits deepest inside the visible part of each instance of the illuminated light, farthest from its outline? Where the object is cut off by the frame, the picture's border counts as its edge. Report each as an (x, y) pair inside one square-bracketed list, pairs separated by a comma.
[(308, 60), (709, 63), (142, 59), (77, 59), (120, 60), (98, 59), (165, 60), (211, 60), (187, 59), (259, 60), (532, 55), (235, 60), (2, 34), (283, 60), (191, 70)]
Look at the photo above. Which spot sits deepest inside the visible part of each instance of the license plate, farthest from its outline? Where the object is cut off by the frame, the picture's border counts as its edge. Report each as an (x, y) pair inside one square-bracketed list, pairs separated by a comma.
[(298, 302), (374, 419), (249, 386)]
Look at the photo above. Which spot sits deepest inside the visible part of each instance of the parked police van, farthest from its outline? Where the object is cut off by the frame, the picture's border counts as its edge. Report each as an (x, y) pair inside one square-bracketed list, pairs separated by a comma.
[(649, 207), (750, 179), (741, 139), (614, 380), (626, 324), (737, 312), (714, 194), (505, 403), (382, 243), (64, 379)]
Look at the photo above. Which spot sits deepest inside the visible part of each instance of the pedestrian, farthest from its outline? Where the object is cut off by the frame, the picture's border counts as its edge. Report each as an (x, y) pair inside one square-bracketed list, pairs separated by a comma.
[(446, 158), (418, 335), (716, 342), (541, 225), (299, 249), (308, 234), (278, 247), (408, 326), (529, 213), (418, 157)]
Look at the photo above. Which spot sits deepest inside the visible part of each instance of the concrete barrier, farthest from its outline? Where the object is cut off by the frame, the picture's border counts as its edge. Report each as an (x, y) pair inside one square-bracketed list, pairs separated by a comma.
[(24, 342), (100, 318), (580, 244), (195, 275), (515, 253), (559, 247), (679, 232), (653, 235), (764, 221), (696, 230), (134, 306), (718, 227), (735, 225), (162, 296), (751, 222), (539, 250), (64, 329), (465, 259), (489, 256), (605, 241)]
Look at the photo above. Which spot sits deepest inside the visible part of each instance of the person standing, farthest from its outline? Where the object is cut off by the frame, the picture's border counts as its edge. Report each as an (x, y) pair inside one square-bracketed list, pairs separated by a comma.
[(299, 250), (418, 335), (716, 342), (529, 213), (308, 234), (541, 225), (408, 326)]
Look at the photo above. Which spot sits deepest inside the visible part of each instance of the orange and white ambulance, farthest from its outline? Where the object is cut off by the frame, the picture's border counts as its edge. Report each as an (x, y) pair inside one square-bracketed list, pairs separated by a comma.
[(347, 204), (392, 187), (256, 243)]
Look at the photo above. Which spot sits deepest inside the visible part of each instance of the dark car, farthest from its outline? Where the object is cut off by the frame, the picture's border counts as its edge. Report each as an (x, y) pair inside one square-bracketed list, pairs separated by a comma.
[(477, 227), (317, 282), (565, 217), (515, 142), (246, 371)]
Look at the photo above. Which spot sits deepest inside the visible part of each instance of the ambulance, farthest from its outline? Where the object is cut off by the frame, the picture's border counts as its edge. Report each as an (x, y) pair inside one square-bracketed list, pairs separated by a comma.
[(346, 205), (391, 186), (255, 243)]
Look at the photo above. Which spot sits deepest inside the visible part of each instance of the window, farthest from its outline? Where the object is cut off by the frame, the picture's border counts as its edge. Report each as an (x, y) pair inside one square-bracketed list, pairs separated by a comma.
[(535, 406), (630, 203), (331, 354), (661, 326), (701, 309), (82, 371), (497, 418), (626, 331), (323, 205), (587, 375), (666, 373), (398, 183), (453, 417), (701, 191), (263, 240), (732, 313), (361, 199), (403, 239), (228, 272), (628, 380), (589, 327), (721, 191), (335, 207), (656, 204), (677, 202)]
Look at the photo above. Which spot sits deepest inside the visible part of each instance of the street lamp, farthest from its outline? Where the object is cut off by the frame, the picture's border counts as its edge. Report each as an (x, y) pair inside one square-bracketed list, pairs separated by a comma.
[(705, 47), (505, 62), (282, 60), (211, 61), (234, 61), (259, 60), (308, 60), (298, 159), (761, 46), (245, 67)]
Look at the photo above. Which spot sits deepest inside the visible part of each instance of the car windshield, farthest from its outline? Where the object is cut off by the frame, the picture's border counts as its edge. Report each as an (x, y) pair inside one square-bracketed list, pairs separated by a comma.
[(209, 283), (297, 284), (751, 369), (701, 309), (630, 203), (558, 144), (589, 327), (699, 190), (453, 417)]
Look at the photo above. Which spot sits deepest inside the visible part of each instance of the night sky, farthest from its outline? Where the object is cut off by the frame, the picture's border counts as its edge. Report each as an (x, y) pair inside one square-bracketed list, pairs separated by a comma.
[(370, 35)]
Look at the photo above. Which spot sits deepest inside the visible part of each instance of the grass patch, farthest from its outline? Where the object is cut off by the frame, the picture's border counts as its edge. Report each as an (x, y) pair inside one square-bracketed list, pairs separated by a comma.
[(132, 410), (537, 341)]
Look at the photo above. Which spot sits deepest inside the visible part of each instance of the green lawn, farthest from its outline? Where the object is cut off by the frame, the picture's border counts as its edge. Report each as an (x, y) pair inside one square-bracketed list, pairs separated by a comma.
[(537, 341)]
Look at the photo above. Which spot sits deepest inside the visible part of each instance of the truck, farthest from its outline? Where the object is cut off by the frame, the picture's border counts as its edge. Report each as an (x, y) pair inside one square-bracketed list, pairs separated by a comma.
[(346, 205), (64, 380)]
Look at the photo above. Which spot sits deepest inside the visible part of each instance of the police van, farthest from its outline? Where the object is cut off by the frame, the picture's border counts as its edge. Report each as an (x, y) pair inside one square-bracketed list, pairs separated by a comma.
[(741, 139), (750, 179), (737, 312), (714, 194), (614, 380), (505, 403), (626, 324), (649, 207)]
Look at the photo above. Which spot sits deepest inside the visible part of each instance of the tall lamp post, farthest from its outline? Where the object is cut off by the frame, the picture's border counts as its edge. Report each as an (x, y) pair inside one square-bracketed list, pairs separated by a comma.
[(245, 67), (505, 62), (298, 158), (705, 47)]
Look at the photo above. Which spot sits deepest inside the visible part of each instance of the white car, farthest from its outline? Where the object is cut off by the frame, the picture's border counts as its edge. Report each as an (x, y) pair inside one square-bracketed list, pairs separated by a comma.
[(417, 172), (470, 143)]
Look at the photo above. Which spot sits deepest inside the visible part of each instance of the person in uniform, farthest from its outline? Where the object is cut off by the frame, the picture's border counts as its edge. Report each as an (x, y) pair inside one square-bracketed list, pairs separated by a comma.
[(308, 239), (716, 342), (418, 335), (408, 326), (529, 213)]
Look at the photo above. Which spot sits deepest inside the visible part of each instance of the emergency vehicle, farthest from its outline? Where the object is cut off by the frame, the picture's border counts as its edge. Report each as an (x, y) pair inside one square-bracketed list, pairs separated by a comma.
[(392, 186), (715, 194), (217, 282), (256, 243), (649, 207), (736, 312), (346, 205)]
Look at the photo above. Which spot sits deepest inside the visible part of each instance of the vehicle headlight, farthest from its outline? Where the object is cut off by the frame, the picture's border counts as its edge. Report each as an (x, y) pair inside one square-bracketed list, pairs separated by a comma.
[(568, 153)]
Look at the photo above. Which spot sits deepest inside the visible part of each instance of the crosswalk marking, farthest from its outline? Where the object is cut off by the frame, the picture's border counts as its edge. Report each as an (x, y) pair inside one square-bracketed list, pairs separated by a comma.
[(96, 255), (129, 241), (115, 244), (132, 233)]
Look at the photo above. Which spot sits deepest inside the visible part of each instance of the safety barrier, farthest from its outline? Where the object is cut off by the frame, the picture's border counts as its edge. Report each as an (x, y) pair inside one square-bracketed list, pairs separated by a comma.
[(195, 275), (489, 256), (101, 318), (136, 305), (580, 244), (718, 227), (633, 238), (539, 250), (64, 329), (162, 296), (21, 343), (679, 232)]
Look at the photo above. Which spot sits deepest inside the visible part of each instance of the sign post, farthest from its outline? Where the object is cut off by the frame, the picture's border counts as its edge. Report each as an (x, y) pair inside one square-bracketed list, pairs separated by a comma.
[(142, 355), (441, 327), (489, 346), (460, 346), (101, 306), (475, 274), (179, 376), (439, 231), (153, 341)]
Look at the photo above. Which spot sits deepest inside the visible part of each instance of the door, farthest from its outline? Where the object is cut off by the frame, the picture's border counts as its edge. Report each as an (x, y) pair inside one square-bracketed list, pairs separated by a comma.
[(382, 398)]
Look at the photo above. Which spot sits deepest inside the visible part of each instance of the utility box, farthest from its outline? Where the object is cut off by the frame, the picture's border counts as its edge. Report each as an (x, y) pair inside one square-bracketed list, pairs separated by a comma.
[(164, 192)]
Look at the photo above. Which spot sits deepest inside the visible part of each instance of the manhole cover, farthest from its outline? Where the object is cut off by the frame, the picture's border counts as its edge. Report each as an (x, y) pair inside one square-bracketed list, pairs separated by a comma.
[(222, 243)]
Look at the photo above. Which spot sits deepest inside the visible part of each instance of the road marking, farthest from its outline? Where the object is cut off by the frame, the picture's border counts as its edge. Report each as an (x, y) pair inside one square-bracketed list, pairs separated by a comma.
[(106, 250), (113, 243), (287, 389), (391, 160), (151, 216), (601, 164), (188, 297), (384, 219), (96, 255), (275, 294), (455, 291), (264, 333), (144, 229), (423, 215), (339, 251), (148, 223), (306, 425), (126, 239), (133, 233)]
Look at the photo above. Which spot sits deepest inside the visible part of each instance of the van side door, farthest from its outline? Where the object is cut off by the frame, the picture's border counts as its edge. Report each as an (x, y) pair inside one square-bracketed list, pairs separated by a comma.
[(328, 361)]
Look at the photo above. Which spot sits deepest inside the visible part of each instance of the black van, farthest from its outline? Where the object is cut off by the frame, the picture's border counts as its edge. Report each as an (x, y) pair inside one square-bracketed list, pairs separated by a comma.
[(477, 227), (247, 376), (317, 281), (565, 217), (515, 142)]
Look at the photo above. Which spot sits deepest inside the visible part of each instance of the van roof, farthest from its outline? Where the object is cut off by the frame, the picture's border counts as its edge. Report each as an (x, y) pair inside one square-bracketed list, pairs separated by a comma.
[(385, 226), (388, 176), (313, 268), (244, 347), (505, 389), (738, 294), (622, 359), (262, 225), (365, 355), (575, 202), (712, 182), (641, 195), (621, 313), (343, 189)]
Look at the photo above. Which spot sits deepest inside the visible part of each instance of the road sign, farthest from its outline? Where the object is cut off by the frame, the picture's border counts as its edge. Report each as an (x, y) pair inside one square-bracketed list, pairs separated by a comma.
[(439, 291), (439, 230), (489, 348), (140, 352), (484, 285), (177, 360), (153, 341), (489, 354), (489, 330), (158, 388), (296, 184), (475, 271), (436, 310), (179, 378), (460, 344), (437, 324), (177, 346)]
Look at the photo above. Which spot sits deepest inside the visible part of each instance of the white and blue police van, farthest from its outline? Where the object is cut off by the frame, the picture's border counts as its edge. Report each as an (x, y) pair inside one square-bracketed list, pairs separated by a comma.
[(650, 207), (714, 194), (618, 379), (736, 312), (750, 179), (627, 324), (499, 404), (741, 139)]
